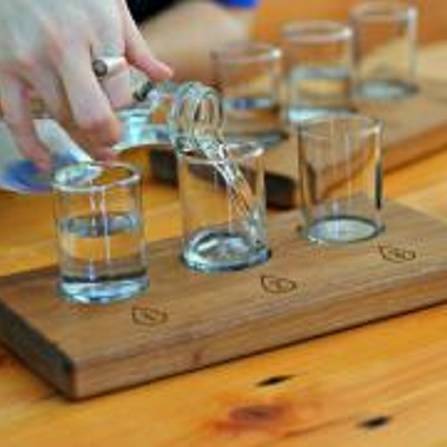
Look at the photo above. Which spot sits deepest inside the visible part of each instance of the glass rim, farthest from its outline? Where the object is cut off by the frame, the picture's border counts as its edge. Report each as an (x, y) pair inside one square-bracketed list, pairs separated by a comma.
[(252, 150), (316, 31), (370, 126), (383, 10), (246, 52), (58, 184)]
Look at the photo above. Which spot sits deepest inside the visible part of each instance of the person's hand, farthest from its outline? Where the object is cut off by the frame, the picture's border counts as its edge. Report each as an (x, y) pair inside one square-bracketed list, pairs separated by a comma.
[(47, 47)]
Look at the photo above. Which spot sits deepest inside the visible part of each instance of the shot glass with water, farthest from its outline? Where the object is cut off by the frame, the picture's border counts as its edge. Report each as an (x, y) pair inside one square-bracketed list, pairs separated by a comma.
[(318, 68), (340, 172), (385, 35), (101, 244), (223, 209), (248, 75)]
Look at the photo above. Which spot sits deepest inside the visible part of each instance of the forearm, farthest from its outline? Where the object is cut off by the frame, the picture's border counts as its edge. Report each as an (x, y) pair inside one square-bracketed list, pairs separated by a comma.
[(184, 36)]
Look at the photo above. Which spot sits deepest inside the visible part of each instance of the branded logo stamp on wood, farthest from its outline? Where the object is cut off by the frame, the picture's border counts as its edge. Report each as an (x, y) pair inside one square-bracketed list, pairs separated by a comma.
[(276, 285), (396, 255), (149, 316)]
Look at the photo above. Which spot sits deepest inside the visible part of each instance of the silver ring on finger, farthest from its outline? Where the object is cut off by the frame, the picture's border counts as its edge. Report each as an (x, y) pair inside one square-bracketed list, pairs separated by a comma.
[(105, 67)]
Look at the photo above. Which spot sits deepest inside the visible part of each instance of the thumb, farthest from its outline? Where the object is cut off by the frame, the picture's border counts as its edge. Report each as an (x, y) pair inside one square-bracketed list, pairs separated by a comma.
[(140, 56)]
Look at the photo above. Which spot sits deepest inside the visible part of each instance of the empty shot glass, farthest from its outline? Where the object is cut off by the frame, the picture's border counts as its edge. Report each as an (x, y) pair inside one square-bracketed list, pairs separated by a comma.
[(101, 244), (248, 75), (318, 68), (223, 208), (385, 36), (340, 172)]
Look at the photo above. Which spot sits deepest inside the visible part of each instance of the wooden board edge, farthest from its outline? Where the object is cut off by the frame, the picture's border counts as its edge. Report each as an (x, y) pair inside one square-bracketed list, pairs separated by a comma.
[(49, 362), (416, 148), (198, 354)]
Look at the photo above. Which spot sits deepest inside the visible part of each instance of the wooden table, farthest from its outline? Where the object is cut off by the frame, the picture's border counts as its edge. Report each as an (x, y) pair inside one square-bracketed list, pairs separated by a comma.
[(380, 385)]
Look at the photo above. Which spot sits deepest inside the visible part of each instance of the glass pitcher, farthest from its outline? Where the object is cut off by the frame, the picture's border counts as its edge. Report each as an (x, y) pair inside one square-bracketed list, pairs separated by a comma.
[(176, 114), (167, 113)]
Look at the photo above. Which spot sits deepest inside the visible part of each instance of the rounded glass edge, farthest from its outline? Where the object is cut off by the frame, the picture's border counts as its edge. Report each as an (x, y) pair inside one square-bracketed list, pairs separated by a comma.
[(197, 93), (383, 11), (133, 178), (316, 31), (246, 52), (373, 126), (252, 150)]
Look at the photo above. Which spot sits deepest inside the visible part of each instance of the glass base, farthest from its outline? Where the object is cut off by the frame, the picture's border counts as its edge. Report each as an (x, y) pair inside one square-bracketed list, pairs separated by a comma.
[(297, 115), (219, 251), (342, 229), (386, 90), (103, 292)]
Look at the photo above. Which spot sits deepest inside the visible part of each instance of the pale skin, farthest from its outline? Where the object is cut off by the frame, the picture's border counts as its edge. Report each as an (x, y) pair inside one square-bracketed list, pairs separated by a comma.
[(47, 47)]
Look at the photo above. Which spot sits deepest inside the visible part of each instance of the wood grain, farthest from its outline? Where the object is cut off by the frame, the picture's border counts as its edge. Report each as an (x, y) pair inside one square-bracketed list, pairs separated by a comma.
[(188, 320), (333, 387)]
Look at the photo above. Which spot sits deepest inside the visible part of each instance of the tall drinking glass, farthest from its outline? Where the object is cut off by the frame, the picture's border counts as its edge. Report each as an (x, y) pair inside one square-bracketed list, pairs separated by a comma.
[(385, 49), (223, 208), (248, 74), (318, 65), (102, 250), (340, 163)]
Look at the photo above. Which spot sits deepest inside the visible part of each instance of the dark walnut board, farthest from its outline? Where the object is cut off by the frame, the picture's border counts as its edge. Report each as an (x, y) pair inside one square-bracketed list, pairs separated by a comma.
[(189, 320), (414, 128)]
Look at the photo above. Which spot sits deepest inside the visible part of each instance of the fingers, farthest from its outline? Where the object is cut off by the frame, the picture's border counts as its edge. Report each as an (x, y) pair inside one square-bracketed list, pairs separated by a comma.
[(90, 108), (116, 85), (71, 91), (118, 90), (109, 43), (139, 55), (48, 88), (15, 104)]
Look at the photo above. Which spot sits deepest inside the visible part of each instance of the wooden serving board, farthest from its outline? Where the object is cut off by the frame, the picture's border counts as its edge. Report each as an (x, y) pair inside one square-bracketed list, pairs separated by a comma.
[(414, 128), (189, 320)]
